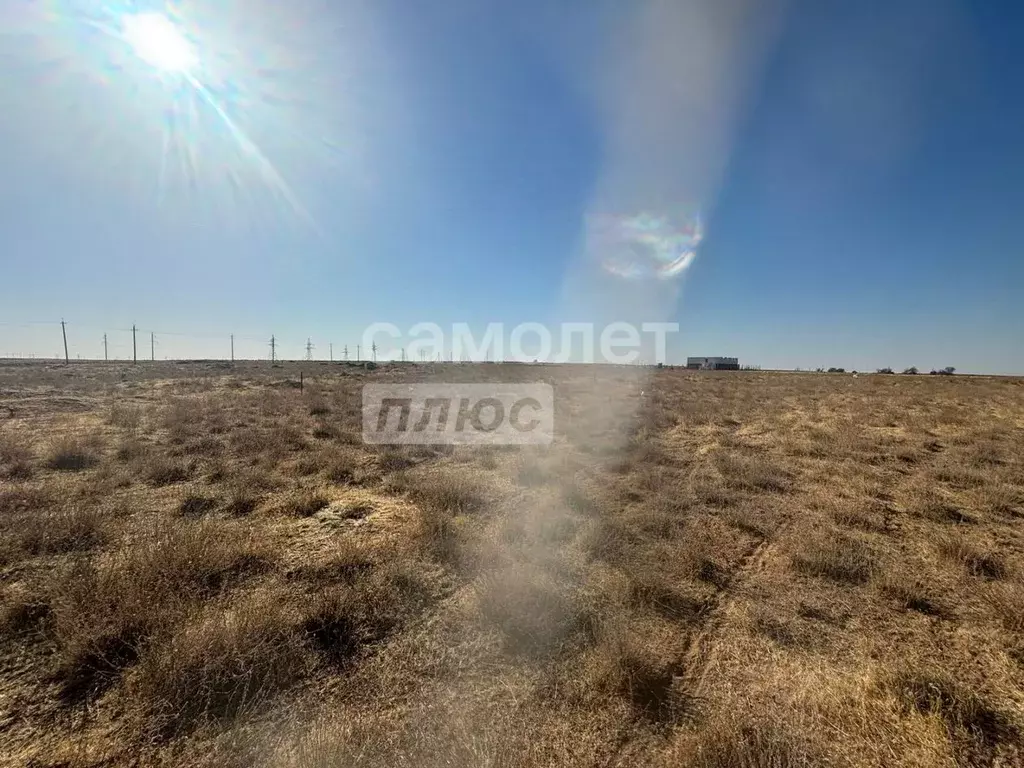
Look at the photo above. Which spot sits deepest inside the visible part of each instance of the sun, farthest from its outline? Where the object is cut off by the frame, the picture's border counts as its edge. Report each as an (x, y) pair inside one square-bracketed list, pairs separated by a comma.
[(157, 41)]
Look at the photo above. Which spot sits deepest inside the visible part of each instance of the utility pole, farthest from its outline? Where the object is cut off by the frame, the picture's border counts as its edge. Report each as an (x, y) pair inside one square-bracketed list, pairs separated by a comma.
[(152, 346), (64, 333), (309, 348), (357, 352), (105, 358), (135, 348), (374, 348), (331, 345), (273, 350), (403, 354), (232, 347), (345, 352)]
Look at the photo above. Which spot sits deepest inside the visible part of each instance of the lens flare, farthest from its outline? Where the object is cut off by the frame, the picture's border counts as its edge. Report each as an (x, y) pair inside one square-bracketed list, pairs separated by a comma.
[(156, 40), (644, 246), (212, 111)]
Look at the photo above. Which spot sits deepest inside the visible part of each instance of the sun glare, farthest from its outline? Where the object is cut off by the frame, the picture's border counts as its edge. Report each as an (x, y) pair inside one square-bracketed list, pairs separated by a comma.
[(158, 42)]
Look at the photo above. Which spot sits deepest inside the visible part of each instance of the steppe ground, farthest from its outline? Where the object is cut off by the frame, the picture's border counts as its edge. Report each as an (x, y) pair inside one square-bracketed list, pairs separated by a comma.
[(201, 564)]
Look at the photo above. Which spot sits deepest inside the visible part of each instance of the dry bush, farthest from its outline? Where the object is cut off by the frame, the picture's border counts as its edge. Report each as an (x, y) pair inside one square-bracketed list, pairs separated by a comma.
[(71, 454), (1001, 499), (304, 466), (125, 416), (911, 591), (610, 539), (16, 501), (195, 503), (835, 556), (103, 612), (442, 491), (749, 740), (325, 430), (133, 451), (363, 605), (317, 404), (178, 417), (1007, 600), (578, 501), (707, 487), (15, 458), (342, 466), (937, 509), (675, 601), (958, 476), (394, 458), (349, 560), (62, 530), (646, 680), (975, 726), (22, 611), (162, 470), (302, 502), (192, 626), (977, 559), (207, 446), (859, 517), (241, 502), (443, 536), (222, 662), (263, 444), (751, 473), (753, 521)]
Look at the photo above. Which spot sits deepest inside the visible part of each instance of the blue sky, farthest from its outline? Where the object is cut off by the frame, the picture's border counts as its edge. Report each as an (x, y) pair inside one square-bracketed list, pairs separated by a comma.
[(858, 169)]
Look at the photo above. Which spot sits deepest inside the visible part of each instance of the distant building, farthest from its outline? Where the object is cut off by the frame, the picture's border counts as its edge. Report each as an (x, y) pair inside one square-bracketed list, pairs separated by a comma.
[(713, 363)]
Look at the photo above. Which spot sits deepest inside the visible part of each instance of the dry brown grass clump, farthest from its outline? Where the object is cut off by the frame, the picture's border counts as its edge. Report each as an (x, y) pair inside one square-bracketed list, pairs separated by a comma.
[(449, 491), (220, 663), (836, 556), (15, 458), (738, 742), (976, 558), (102, 613), (361, 605), (911, 592), (62, 530), (70, 454), (303, 502), (975, 727)]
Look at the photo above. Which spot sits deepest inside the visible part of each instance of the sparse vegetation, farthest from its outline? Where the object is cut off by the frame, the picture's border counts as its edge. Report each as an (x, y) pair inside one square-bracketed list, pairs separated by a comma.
[(70, 454), (766, 570)]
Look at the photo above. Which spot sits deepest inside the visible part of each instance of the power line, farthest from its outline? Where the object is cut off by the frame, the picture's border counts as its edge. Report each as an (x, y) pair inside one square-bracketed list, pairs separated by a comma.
[(309, 348)]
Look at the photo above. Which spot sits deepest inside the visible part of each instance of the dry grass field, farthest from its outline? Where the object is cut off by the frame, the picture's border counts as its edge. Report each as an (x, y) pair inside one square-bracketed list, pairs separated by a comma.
[(201, 564)]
